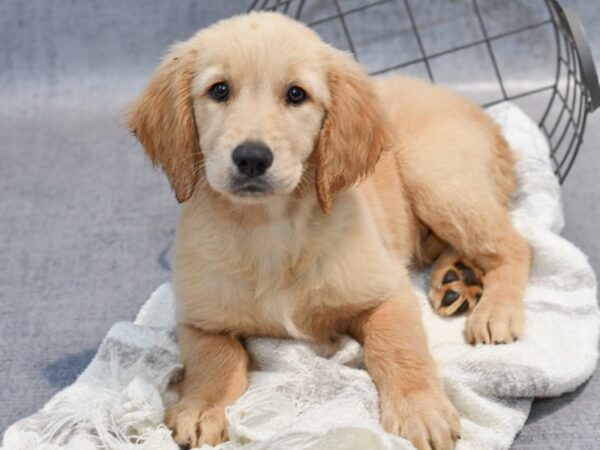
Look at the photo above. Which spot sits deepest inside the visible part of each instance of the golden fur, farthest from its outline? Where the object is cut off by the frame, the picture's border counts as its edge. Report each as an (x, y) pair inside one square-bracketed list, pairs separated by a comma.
[(367, 178)]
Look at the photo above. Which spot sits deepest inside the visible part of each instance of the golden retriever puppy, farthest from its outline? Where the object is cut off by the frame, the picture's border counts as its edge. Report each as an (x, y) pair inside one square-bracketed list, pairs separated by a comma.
[(308, 189)]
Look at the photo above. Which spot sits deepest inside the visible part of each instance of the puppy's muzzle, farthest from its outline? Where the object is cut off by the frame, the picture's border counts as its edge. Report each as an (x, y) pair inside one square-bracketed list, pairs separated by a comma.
[(252, 159)]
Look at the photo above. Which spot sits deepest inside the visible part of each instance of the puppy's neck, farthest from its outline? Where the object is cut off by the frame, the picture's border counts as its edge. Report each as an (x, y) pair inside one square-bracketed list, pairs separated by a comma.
[(274, 210)]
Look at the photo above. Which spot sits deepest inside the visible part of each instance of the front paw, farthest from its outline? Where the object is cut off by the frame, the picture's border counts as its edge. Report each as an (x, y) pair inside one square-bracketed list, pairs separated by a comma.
[(425, 417), (194, 423)]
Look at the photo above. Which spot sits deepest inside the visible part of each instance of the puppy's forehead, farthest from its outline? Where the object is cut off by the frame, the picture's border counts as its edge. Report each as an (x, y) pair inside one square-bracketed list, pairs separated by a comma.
[(259, 46), (260, 27)]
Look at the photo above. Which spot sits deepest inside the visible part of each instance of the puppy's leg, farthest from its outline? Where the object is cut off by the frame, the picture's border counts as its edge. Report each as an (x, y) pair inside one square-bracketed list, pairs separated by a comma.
[(495, 249), (499, 316), (412, 401), (215, 376), (469, 214), (456, 284)]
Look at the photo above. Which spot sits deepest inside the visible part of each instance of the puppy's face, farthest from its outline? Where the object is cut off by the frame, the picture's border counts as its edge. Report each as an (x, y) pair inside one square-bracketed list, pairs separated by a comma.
[(255, 105), (259, 98)]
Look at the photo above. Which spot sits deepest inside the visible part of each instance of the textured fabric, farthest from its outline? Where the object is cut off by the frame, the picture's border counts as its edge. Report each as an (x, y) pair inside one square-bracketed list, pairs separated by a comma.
[(85, 221), (304, 395)]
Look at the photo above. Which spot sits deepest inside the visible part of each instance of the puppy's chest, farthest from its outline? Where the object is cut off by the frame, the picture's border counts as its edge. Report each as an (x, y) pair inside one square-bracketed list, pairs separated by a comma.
[(252, 282), (270, 257), (274, 280)]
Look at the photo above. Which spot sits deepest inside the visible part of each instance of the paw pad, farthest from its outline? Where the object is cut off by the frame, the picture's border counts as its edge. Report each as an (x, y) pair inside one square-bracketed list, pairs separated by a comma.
[(459, 289), (450, 277), (450, 297)]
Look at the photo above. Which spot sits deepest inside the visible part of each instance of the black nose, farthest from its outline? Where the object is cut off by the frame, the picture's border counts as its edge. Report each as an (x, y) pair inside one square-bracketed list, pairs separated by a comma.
[(252, 159)]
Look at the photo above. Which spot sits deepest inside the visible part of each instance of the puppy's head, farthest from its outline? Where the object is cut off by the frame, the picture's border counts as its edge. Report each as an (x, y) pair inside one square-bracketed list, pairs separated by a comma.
[(257, 106)]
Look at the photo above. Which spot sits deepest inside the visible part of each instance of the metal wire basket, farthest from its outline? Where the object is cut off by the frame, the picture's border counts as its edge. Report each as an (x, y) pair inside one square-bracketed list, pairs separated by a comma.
[(532, 53)]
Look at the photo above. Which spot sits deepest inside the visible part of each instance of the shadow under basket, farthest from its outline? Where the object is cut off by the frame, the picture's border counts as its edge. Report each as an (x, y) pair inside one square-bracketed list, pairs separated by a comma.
[(532, 53)]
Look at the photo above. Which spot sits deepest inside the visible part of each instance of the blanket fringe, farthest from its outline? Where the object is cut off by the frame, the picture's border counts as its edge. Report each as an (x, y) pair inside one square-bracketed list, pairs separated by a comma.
[(85, 416)]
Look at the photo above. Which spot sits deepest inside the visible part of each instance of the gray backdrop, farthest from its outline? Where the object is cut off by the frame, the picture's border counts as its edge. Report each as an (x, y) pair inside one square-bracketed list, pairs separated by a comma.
[(86, 224)]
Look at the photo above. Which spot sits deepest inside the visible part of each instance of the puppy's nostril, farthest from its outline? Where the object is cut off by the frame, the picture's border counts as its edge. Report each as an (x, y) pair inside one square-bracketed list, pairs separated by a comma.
[(252, 159)]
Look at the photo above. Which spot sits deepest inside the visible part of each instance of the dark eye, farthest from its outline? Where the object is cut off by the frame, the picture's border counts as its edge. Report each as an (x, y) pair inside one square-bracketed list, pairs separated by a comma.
[(296, 95), (219, 91)]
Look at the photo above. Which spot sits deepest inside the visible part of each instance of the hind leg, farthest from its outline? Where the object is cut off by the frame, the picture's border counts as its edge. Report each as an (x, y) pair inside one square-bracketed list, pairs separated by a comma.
[(490, 285), (499, 316), (467, 212), (487, 276), (458, 173)]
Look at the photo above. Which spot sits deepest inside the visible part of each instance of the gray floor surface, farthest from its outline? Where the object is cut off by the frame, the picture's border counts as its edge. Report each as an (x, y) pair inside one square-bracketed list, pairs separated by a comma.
[(86, 224)]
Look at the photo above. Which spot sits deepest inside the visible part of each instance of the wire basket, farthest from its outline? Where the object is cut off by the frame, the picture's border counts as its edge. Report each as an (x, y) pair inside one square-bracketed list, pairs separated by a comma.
[(532, 53)]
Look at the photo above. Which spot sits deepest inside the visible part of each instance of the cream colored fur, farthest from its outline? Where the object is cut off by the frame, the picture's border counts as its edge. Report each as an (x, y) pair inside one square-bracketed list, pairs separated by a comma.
[(367, 179)]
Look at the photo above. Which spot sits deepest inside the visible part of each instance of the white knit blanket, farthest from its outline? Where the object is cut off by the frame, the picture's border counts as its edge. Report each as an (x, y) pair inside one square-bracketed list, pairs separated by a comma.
[(306, 396)]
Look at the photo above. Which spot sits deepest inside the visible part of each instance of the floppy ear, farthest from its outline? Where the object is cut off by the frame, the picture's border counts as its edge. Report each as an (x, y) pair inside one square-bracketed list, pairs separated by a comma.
[(354, 132), (162, 118)]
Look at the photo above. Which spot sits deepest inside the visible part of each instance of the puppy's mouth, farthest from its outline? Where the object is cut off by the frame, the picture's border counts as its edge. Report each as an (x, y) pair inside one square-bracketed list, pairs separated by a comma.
[(250, 188)]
